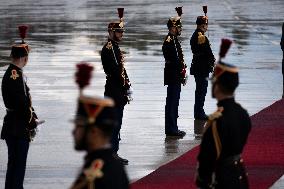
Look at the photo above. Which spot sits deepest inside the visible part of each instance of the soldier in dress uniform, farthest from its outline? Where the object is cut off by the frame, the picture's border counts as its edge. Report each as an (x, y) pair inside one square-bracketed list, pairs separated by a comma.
[(118, 85), (225, 135), (282, 47), (94, 124), (20, 120), (174, 74), (202, 64)]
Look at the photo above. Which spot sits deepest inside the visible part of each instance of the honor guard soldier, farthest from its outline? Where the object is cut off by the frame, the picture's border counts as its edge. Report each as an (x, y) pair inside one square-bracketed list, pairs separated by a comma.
[(226, 133), (174, 74), (95, 121), (282, 47), (118, 85), (202, 64), (20, 121)]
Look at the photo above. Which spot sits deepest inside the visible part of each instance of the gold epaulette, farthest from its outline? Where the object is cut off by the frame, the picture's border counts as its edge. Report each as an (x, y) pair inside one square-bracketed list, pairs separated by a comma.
[(212, 117), (94, 171), (213, 124), (201, 38), (109, 45), (216, 114), (14, 74), (169, 39)]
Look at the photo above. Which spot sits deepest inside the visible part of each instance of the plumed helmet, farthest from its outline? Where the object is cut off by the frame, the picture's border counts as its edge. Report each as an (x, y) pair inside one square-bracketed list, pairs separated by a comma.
[(226, 75), (93, 111), (175, 21), (20, 48), (201, 20), (96, 112), (117, 25)]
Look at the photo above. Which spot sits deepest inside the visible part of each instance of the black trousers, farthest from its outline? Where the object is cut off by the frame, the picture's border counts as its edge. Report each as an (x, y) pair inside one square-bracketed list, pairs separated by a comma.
[(171, 108), (17, 157), (116, 132), (200, 94)]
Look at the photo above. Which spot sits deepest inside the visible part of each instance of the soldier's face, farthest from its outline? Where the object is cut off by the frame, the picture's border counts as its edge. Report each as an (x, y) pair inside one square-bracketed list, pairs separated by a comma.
[(79, 135), (118, 35), (176, 31), (204, 27), (216, 90)]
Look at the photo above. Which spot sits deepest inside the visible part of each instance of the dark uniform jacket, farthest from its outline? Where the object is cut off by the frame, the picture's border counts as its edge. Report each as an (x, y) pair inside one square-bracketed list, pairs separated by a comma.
[(174, 61), (203, 58), (223, 141), (117, 81), (20, 117), (108, 172)]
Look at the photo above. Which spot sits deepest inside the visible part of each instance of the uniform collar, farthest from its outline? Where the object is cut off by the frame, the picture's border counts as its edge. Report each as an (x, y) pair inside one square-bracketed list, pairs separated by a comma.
[(172, 36), (98, 153), (199, 30), (226, 101), (13, 66), (113, 42)]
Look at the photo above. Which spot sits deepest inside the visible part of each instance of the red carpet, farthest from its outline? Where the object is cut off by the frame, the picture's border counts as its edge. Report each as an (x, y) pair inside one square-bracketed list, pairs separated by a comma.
[(263, 155)]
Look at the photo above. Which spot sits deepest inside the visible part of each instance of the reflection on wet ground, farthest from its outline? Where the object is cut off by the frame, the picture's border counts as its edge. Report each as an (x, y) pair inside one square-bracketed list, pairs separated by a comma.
[(65, 32)]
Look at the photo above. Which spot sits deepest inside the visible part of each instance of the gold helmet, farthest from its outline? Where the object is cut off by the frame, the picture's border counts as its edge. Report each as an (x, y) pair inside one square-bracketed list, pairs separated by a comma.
[(175, 21), (117, 25)]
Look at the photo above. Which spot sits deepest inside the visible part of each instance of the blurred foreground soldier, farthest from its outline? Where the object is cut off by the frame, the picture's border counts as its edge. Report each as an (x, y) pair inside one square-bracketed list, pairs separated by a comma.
[(282, 47), (94, 123), (174, 74), (225, 134), (118, 86), (202, 64), (20, 121)]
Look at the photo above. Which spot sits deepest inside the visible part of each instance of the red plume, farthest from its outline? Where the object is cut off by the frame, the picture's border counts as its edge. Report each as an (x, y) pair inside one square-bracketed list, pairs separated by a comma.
[(83, 74), (120, 12), (205, 9), (225, 45), (179, 11), (23, 31)]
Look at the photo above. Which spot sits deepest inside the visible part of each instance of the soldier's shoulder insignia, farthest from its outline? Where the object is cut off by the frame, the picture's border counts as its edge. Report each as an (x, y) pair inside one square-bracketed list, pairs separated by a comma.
[(168, 39), (109, 45), (216, 114), (14, 74), (212, 117), (201, 38), (95, 170)]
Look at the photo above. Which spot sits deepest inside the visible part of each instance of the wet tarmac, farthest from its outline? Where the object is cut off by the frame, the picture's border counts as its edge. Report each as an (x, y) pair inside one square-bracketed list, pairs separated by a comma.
[(65, 32)]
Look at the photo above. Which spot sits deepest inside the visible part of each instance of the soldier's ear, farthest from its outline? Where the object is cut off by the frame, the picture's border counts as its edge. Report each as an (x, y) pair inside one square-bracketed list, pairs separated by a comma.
[(110, 33)]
